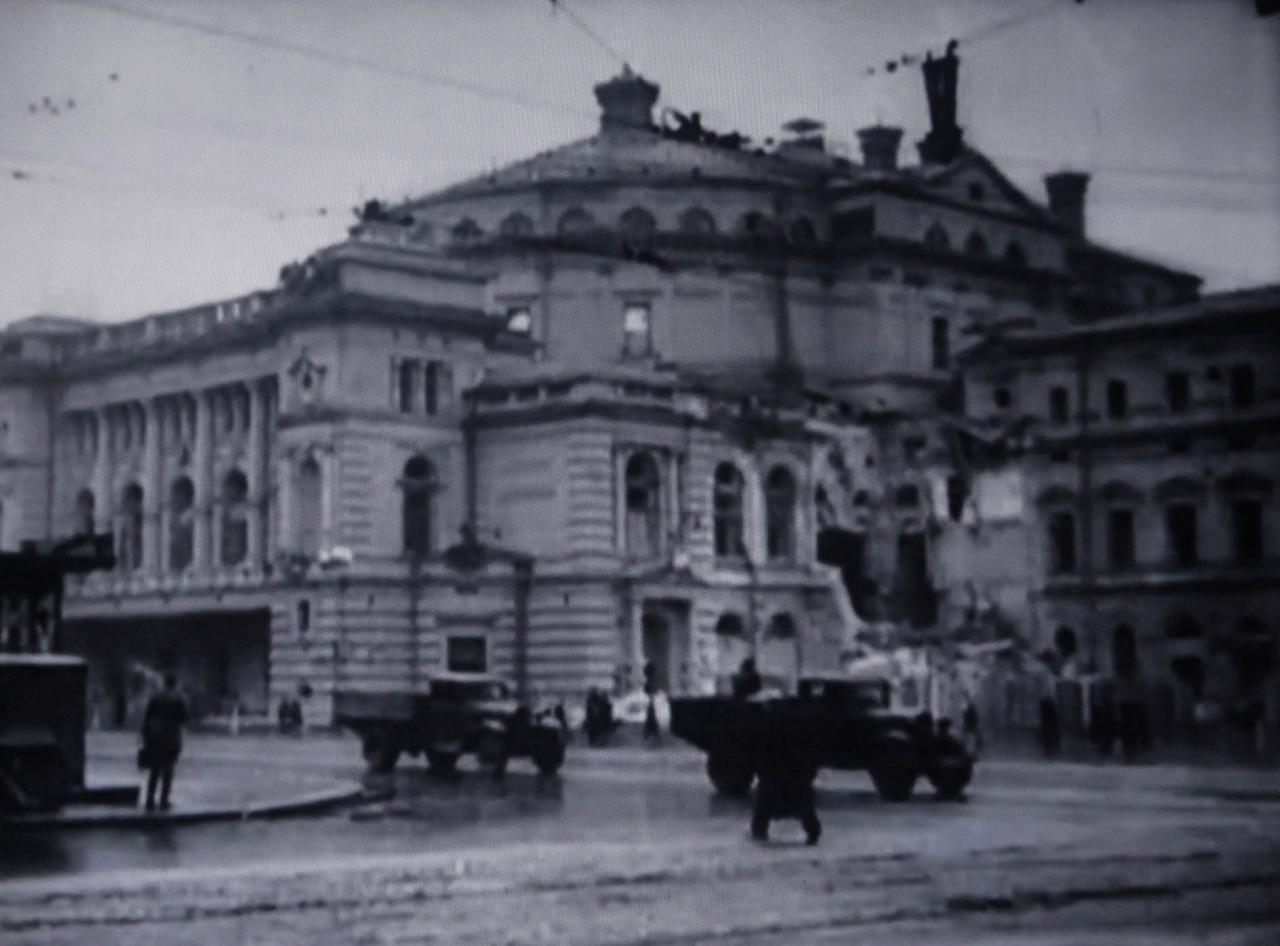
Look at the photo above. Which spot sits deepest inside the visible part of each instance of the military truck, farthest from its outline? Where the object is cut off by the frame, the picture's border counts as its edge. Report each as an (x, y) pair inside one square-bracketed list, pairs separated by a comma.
[(452, 716), (41, 730), (842, 723)]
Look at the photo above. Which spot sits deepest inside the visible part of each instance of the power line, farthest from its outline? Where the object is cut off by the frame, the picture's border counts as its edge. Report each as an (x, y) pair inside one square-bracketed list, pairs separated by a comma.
[(584, 27), (334, 58), (978, 35)]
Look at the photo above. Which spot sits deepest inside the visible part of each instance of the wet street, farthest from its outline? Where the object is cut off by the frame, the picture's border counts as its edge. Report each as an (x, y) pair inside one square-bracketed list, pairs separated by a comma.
[(629, 845)]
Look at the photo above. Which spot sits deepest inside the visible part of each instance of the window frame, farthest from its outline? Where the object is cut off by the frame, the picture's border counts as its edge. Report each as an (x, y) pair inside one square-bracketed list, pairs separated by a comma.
[(636, 306), (453, 640)]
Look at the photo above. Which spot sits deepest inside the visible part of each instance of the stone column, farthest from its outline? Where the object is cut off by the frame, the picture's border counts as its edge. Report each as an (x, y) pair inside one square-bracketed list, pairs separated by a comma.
[(151, 484), (257, 474), (202, 476), (102, 498), (328, 497), (753, 524), (282, 530)]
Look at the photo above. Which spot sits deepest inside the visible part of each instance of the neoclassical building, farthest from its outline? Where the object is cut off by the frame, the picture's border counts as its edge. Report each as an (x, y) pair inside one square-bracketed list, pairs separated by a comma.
[(655, 396)]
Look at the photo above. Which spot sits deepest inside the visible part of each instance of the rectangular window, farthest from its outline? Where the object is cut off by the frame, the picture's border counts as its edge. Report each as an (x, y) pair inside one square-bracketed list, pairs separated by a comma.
[(637, 336), (1180, 522), (1059, 406), (1062, 543), (468, 654), (941, 343), (1177, 391), (1120, 539), (408, 383), (430, 392), (1243, 389), (1117, 400), (1246, 523)]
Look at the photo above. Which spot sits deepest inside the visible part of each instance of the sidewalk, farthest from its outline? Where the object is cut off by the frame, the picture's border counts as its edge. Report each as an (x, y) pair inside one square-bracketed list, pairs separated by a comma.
[(205, 787)]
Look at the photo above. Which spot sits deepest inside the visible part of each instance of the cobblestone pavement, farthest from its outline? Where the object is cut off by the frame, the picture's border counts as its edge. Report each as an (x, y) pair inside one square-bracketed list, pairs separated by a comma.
[(628, 847)]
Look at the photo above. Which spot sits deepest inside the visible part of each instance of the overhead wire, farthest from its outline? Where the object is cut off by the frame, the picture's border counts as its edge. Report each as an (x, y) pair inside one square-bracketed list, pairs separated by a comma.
[(326, 55), (562, 6)]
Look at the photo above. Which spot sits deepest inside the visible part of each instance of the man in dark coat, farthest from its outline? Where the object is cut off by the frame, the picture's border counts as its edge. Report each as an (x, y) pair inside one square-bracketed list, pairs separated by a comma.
[(162, 724), (787, 769)]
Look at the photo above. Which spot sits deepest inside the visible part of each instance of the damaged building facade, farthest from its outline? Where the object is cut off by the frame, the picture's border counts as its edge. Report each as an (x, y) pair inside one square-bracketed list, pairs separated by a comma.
[(1138, 455), (656, 396)]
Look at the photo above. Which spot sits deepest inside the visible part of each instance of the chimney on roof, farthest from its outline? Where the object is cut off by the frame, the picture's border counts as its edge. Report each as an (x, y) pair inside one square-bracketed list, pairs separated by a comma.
[(626, 101), (942, 144), (880, 147), (1066, 198)]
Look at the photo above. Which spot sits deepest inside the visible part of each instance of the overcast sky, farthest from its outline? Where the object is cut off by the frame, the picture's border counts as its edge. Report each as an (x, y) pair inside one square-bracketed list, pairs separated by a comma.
[(205, 164)]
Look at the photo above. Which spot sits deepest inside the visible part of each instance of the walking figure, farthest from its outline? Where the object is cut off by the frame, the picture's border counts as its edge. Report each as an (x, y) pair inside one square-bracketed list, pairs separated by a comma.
[(651, 733), (787, 770), (972, 728), (162, 724), (1050, 727)]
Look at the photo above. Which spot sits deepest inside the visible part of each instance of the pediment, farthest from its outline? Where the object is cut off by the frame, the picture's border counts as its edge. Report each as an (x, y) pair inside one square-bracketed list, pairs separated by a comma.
[(974, 179)]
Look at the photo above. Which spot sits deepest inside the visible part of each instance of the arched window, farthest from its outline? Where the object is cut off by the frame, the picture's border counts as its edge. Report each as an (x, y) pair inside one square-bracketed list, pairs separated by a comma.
[(802, 232), (642, 505), (824, 512), (638, 226), (1015, 255), (756, 224), (575, 222), (235, 518), (976, 245), (516, 225), (732, 646), (1064, 639), (730, 625), (697, 222), (181, 524), (778, 656), (418, 484), (308, 509), (780, 513), (466, 230), (84, 513), (131, 523), (937, 237), (727, 510)]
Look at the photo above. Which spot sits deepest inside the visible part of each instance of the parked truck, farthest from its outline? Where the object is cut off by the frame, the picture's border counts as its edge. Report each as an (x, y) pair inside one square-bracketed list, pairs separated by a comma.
[(452, 716), (42, 710), (841, 723)]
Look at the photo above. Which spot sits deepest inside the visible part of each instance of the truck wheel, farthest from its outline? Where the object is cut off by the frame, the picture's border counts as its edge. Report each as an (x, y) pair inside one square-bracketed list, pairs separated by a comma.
[(892, 782), (380, 751), (442, 762), (548, 755), (950, 781), (731, 776)]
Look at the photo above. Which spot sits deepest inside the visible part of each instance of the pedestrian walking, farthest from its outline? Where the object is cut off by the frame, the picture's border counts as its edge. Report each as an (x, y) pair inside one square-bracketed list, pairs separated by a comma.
[(162, 723), (787, 770), (651, 733), (1050, 727), (972, 728)]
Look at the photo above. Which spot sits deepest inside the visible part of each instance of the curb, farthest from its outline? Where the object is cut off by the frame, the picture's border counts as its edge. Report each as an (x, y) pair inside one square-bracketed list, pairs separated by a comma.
[(306, 805)]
